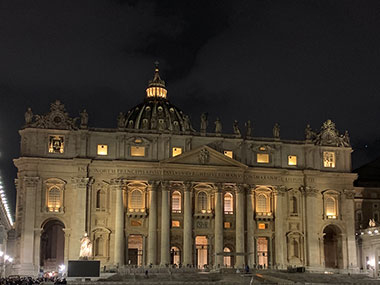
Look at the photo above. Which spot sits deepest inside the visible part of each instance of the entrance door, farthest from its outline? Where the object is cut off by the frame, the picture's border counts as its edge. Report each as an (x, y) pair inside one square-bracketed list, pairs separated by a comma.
[(201, 244), (262, 252), (175, 255), (332, 246), (52, 245), (135, 250)]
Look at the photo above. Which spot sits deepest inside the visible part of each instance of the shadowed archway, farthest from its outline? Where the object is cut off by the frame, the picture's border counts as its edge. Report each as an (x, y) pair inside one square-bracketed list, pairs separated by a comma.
[(332, 245), (52, 245)]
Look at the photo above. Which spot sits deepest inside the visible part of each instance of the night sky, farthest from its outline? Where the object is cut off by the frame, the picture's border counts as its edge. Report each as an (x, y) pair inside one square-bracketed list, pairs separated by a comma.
[(292, 62)]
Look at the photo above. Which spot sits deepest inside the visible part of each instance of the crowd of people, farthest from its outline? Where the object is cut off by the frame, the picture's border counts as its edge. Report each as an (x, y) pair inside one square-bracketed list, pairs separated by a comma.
[(17, 280)]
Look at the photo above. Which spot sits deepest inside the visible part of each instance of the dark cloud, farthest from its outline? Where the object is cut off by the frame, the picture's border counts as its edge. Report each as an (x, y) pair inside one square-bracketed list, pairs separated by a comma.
[(291, 62)]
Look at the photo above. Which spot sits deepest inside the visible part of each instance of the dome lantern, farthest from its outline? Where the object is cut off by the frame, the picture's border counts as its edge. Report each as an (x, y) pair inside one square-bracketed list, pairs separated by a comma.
[(156, 87)]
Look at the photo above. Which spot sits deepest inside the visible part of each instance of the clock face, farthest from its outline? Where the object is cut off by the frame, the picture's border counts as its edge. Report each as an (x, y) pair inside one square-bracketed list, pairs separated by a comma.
[(57, 118)]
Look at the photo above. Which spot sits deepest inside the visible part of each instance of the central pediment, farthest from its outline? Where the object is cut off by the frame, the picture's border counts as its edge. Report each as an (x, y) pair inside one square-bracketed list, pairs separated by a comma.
[(204, 155)]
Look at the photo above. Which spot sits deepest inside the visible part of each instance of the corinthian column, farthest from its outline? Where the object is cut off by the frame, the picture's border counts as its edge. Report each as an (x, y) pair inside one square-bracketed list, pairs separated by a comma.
[(240, 226), (119, 224), (250, 230), (187, 228), (218, 226), (152, 229), (165, 225)]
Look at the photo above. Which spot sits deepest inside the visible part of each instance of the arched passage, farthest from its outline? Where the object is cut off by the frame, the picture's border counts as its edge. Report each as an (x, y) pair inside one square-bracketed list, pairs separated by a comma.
[(52, 245), (332, 245)]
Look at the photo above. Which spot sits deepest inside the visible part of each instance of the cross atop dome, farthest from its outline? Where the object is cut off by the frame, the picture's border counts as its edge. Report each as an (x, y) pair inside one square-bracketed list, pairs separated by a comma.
[(156, 87)]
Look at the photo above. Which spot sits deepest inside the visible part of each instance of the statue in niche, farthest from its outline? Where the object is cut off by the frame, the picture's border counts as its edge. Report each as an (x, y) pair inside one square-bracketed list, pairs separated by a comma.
[(121, 120), (236, 128), (372, 223), (248, 126), (276, 131), (309, 133), (218, 126), (85, 247), (83, 119), (186, 123), (28, 116), (204, 122)]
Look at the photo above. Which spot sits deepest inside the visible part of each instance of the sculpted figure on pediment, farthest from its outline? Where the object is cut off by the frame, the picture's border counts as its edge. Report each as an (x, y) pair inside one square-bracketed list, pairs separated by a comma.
[(204, 156), (83, 119), (57, 118), (276, 131), (248, 126), (121, 120), (28, 117), (236, 128), (218, 126), (204, 122)]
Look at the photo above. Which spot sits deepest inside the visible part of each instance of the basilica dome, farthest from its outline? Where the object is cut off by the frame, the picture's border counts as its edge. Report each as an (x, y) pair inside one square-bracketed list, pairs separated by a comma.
[(156, 112)]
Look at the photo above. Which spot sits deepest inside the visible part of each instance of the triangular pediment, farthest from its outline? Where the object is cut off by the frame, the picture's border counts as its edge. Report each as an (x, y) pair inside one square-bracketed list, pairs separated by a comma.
[(204, 155)]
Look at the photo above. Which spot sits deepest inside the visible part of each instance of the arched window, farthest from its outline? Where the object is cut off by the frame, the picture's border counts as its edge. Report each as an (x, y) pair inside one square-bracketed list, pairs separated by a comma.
[(262, 203), (228, 203), (295, 248), (330, 207), (136, 201), (176, 202), (99, 246), (202, 202), (54, 199), (294, 205), (100, 199)]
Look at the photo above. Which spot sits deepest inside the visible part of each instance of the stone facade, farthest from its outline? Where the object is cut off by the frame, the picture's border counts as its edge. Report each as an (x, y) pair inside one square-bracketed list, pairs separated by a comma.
[(153, 191)]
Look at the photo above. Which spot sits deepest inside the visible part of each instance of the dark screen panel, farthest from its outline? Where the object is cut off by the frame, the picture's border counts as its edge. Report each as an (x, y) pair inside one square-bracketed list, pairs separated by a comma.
[(83, 268)]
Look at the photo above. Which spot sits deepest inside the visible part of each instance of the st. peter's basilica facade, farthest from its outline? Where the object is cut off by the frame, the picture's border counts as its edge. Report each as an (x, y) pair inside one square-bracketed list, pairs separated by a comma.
[(154, 191)]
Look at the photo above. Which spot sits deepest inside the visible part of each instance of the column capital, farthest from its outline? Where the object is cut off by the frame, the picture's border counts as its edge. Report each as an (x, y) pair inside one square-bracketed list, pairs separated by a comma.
[(309, 191), (349, 193), (280, 190), (187, 186), (30, 181), (81, 182), (241, 188), (153, 185)]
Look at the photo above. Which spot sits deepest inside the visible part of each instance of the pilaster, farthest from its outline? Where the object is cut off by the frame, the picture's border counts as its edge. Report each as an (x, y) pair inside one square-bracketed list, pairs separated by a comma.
[(152, 227), (119, 223), (218, 246), (240, 251), (187, 227), (165, 224)]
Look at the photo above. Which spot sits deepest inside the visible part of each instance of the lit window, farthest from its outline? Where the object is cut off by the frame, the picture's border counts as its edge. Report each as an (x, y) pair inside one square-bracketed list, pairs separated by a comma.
[(330, 203), (176, 202), (138, 140), (54, 199), (229, 153), (227, 225), (262, 148), (137, 151), (228, 204), (292, 160), (136, 201), (262, 226), (56, 144), (176, 151), (263, 158), (176, 224), (329, 159), (202, 202), (102, 149), (262, 203)]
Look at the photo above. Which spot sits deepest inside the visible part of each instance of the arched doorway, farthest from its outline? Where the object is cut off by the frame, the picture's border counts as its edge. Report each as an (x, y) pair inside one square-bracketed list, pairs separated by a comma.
[(227, 259), (201, 244), (135, 250), (175, 255), (52, 245), (332, 246)]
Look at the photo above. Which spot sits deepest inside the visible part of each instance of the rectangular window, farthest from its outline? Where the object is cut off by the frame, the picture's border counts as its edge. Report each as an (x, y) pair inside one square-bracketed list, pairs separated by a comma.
[(176, 151), (229, 153), (329, 159), (56, 144), (263, 158), (176, 224), (227, 225), (137, 151), (102, 149), (292, 160), (262, 226)]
